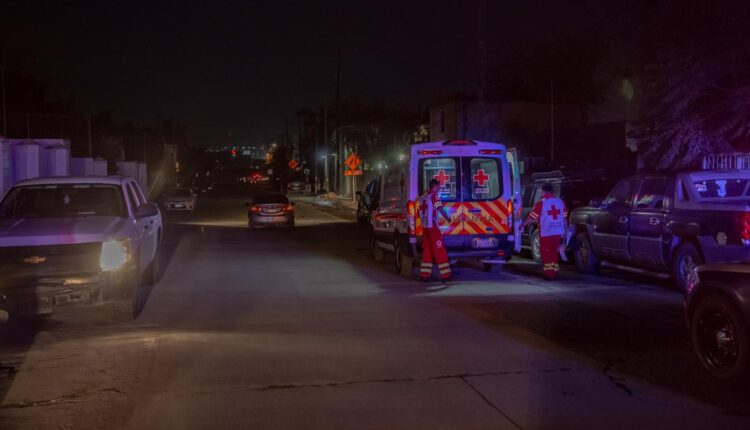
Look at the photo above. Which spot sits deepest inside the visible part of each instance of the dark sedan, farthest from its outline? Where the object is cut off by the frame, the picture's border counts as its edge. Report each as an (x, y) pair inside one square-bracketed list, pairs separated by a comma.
[(717, 310), (270, 209)]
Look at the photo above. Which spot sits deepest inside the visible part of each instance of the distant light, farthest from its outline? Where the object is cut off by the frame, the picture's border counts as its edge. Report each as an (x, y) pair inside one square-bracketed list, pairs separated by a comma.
[(627, 89), (401, 157)]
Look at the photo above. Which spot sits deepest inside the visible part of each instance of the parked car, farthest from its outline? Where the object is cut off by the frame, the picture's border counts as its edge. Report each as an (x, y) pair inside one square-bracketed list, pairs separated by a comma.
[(270, 209), (368, 201), (717, 311), (479, 183), (667, 224), (297, 187), (179, 199), (77, 241), (576, 189)]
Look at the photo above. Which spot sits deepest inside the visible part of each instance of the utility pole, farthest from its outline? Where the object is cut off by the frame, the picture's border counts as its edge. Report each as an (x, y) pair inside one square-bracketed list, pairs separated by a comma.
[(5, 110), (551, 122), (316, 155), (88, 126), (339, 171), (326, 147), (482, 66)]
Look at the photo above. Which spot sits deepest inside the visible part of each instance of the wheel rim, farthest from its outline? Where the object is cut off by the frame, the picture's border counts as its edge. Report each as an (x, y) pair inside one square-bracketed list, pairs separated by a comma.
[(583, 252), (719, 342), (687, 265)]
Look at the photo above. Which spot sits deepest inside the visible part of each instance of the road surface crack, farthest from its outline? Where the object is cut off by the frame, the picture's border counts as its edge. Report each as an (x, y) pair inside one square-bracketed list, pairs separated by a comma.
[(492, 405), (67, 398), (411, 379)]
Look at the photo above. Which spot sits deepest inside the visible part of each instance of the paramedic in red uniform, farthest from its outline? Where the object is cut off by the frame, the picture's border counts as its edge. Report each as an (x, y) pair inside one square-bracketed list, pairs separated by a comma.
[(433, 247), (551, 214)]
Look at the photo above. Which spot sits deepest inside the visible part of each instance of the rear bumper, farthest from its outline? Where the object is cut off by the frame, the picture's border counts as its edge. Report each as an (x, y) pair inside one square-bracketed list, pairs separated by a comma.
[(271, 220), (46, 296), (179, 206), (461, 246)]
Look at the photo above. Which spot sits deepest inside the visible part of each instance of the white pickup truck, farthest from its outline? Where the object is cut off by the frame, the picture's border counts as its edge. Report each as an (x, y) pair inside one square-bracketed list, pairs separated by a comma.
[(77, 241)]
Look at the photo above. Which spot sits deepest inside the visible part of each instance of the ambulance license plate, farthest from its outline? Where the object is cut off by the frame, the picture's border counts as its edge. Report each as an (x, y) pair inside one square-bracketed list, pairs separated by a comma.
[(484, 242)]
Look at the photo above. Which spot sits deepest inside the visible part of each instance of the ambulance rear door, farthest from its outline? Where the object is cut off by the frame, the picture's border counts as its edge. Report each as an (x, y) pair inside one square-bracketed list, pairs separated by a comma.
[(446, 169), (486, 193)]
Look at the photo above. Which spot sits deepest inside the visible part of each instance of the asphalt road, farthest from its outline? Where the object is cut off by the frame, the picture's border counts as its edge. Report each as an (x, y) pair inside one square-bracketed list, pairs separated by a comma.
[(300, 329)]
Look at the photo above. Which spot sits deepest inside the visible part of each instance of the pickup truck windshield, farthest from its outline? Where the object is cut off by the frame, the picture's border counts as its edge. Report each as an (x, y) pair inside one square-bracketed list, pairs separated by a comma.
[(68, 200)]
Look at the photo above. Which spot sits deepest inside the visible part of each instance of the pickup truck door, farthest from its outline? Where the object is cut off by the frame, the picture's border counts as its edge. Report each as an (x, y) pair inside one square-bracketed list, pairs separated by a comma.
[(647, 223), (612, 223), (145, 229)]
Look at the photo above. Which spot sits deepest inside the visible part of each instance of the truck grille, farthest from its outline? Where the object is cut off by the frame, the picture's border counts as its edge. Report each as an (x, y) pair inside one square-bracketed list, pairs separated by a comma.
[(34, 265)]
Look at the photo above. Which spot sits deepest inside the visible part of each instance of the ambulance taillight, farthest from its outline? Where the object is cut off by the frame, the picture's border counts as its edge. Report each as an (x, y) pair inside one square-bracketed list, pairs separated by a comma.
[(430, 152), (411, 209)]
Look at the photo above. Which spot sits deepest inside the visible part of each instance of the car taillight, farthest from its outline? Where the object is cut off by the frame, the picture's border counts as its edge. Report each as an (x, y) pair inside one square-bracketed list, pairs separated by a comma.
[(744, 225), (254, 209), (288, 208)]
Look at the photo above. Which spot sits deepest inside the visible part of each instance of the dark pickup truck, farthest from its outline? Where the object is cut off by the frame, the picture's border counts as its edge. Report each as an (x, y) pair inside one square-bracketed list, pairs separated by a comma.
[(666, 224)]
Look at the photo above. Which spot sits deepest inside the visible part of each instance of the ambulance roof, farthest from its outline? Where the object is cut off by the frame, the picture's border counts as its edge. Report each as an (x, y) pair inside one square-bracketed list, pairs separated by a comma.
[(456, 147)]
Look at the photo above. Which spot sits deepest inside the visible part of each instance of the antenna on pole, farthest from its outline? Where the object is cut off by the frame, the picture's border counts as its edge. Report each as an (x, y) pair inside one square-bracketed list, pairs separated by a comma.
[(482, 62)]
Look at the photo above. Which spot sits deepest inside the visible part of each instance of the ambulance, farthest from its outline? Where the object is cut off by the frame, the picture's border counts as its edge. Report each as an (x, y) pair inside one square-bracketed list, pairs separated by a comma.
[(480, 187)]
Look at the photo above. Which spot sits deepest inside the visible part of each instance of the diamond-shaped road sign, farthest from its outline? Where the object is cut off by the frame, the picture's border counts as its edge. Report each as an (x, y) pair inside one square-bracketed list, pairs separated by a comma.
[(352, 161)]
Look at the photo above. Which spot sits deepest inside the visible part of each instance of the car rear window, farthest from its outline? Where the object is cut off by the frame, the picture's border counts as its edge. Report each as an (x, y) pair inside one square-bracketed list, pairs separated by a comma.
[(180, 193), (720, 188), (63, 201), (271, 199)]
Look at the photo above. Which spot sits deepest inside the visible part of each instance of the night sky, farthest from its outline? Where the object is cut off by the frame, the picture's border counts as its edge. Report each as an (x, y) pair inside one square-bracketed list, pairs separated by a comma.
[(244, 66)]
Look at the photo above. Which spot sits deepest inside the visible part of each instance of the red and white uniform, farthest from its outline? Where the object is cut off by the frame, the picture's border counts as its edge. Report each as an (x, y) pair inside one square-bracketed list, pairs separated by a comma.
[(551, 214), (433, 247)]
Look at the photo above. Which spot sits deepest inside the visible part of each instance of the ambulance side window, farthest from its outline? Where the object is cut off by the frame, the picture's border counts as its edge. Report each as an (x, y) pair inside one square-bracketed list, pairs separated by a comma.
[(445, 170)]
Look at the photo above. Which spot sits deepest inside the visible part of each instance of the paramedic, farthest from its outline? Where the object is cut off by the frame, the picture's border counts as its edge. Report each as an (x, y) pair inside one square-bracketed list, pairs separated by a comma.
[(551, 214), (433, 247)]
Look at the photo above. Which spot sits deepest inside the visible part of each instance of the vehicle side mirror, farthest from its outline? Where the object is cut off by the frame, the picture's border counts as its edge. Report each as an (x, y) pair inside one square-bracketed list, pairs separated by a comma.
[(147, 210), (596, 203)]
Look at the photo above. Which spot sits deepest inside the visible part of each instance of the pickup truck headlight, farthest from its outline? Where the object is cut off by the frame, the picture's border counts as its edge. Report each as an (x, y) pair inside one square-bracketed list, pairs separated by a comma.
[(115, 253)]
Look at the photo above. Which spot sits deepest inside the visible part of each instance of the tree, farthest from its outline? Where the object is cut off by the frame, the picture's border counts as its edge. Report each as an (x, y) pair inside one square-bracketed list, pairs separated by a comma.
[(697, 77)]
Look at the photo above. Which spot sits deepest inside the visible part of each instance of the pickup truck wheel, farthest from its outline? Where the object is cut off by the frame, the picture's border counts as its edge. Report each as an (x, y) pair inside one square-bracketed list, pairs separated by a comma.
[(586, 261), (686, 259), (721, 339), (536, 246), (128, 305), (404, 263), (377, 253)]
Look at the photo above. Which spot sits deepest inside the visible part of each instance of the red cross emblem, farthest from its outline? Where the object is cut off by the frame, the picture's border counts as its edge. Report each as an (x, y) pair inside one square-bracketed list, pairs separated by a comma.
[(442, 178), (481, 178), (554, 212)]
